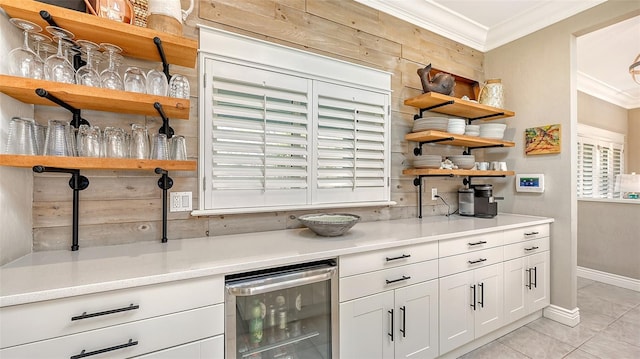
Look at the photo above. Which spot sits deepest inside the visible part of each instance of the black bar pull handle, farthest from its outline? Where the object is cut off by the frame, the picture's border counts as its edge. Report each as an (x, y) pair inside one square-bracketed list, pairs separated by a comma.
[(404, 277), (404, 321), (106, 312), (481, 302), (531, 248), (531, 233), (391, 333), (477, 261), (473, 303), (389, 259), (477, 243), (535, 277), (528, 285), (84, 354)]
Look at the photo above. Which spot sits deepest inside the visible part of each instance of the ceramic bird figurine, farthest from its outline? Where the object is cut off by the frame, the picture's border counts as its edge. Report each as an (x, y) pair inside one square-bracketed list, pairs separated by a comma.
[(441, 82)]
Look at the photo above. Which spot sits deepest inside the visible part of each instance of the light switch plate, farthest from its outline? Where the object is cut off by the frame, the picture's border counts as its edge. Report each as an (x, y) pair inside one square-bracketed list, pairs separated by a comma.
[(180, 201)]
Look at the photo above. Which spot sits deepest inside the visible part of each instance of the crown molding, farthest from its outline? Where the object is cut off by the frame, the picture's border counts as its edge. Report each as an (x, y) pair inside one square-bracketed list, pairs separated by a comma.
[(601, 90)]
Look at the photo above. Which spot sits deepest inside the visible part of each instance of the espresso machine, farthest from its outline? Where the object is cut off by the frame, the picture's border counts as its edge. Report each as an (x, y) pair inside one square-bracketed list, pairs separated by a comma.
[(477, 201)]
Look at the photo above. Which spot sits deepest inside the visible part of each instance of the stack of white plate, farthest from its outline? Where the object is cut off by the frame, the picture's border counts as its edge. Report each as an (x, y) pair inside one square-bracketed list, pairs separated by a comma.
[(463, 161), (430, 123), (427, 161), (472, 130), (492, 130), (456, 126)]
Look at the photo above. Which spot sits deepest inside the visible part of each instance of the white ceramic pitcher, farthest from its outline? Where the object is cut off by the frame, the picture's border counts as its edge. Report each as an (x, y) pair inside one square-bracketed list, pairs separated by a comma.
[(492, 94)]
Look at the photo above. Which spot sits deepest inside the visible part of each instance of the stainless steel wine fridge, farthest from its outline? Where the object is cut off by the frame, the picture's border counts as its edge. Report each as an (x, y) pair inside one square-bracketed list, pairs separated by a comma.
[(283, 313)]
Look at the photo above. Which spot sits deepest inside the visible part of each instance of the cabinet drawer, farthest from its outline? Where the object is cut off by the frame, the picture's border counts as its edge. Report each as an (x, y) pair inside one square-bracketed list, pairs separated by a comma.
[(526, 233), (387, 258), (472, 260), (469, 244), (42, 320), (135, 338), (375, 282), (525, 248)]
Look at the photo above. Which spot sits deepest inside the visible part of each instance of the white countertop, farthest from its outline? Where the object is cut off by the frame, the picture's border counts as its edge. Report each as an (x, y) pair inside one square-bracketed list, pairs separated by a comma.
[(56, 274)]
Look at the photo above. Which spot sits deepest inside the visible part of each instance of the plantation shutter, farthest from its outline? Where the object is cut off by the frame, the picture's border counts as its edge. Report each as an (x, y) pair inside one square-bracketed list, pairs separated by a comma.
[(599, 162), (586, 165), (604, 154), (259, 139), (351, 156)]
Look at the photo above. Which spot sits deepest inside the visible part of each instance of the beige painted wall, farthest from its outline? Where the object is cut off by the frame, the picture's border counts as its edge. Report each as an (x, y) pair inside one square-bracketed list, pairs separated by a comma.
[(539, 75), (608, 237), (633, 141)]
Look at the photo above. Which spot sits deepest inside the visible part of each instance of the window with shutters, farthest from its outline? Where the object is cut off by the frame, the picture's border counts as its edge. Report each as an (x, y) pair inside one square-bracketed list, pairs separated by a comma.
[(600, 159), (275, 138)]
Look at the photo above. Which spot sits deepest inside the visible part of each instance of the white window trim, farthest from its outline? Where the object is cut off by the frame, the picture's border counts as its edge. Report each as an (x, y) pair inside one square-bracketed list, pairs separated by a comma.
[(598, 136), (227, 46)]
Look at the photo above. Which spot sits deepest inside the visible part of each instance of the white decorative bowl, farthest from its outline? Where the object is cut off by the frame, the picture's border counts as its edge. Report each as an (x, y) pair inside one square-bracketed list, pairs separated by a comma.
[(329, 224)]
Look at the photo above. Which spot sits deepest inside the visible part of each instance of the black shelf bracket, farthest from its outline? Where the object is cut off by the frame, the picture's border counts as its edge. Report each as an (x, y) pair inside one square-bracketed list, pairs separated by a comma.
[(77, 184), (467, 180), (77, 59), (44, 14), (165, 183), (422, 110), (165, 128), (418, 150), (163, 57), (468, 150), (77, 113), (418, 183), (486, 116)]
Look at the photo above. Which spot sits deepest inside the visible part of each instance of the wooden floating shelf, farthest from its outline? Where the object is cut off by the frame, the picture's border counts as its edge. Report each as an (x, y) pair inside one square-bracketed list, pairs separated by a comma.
[(91, 163), (135, 41), (93, 98), (445, 172), (458, 140), (459, 107)]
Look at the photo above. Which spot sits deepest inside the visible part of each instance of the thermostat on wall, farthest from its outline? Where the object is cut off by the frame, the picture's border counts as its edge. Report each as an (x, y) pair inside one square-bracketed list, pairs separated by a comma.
[(530, 183)]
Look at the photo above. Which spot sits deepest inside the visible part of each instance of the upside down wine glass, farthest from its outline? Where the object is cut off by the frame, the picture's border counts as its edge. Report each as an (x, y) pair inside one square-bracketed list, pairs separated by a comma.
[(57, 67), (39, 41), (22, 60), (109, 77), (87, 74)]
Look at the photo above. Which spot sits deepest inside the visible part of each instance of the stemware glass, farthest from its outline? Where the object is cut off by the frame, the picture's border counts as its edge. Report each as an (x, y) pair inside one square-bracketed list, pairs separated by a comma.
[(110, 78), (135, 80), (57, 67), (22, 60), (87, 74), (39, 41)]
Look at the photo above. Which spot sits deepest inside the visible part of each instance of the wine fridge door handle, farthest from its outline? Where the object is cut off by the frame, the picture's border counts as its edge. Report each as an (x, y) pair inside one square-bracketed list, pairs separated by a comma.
[(481, 301), (392, 320), (473, 303), (404, 321), (279, 282)]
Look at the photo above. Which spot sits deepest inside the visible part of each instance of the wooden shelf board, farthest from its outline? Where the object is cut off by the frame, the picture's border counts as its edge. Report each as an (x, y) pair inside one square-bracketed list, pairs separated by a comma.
[(439, 172), (458, 140), (86, 163), (91, 98), (460, 107), (135, 41)]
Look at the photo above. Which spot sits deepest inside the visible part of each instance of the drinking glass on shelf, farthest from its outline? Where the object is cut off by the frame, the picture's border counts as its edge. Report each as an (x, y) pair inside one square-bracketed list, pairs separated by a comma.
[(139, 141), (157, 83), (22, 137), (159, 147), (115, 143), (57, 67), (178, 148), (22, 60), (87, 74), (135, 80), (40, 133), (39, 40), (89, 141), (179, 86), (56, 142), (110, 78)]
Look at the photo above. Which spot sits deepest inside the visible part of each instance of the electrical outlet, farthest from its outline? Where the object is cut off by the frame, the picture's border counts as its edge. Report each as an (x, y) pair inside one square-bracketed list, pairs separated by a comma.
[(180, 202), (434, 193)]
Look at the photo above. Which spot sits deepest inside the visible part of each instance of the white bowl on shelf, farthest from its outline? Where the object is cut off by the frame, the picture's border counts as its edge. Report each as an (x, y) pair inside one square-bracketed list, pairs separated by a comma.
[(456, 126), (492, 130), (463, 161), (430, 123), (427, 161)]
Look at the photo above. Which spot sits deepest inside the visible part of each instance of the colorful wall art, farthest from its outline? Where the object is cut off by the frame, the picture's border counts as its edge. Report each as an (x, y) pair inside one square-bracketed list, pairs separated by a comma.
[(542, 140)]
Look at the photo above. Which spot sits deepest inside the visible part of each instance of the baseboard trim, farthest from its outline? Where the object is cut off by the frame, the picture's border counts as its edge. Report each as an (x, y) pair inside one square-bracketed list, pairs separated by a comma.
[(609, 278), (562, 315)]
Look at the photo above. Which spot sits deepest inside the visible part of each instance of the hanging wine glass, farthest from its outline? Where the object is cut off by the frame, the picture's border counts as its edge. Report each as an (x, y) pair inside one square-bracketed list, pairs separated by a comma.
[(87, 74), (110, 78), (22, 60), (57, 67), (39, 41)]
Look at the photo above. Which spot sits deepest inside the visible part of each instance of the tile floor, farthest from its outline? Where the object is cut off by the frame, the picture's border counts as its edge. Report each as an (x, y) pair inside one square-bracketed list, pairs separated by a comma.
[(609, 329)]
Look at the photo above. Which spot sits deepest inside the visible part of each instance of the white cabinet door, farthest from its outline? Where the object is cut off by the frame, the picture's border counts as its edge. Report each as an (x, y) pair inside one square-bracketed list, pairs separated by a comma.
[(456, 313), (539, 292), (417, 321), (489, 306), (515, 290), (366, 327)]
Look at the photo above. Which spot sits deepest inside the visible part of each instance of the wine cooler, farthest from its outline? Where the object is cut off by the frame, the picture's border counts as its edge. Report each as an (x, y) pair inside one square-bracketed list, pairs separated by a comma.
[(283, 313)]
